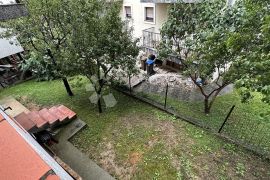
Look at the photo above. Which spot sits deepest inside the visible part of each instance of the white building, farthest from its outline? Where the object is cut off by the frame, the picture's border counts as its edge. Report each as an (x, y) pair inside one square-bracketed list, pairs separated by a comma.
[(143, 15), (147, 18)]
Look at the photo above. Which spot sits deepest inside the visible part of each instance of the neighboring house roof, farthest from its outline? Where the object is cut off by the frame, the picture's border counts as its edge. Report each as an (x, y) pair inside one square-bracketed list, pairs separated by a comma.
[(9, 9), (21, 157), (7, 1), (9, 46)]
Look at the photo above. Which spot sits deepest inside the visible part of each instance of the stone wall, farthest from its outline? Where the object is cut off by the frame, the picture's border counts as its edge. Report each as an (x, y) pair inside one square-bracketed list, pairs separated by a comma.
[(12, 11)]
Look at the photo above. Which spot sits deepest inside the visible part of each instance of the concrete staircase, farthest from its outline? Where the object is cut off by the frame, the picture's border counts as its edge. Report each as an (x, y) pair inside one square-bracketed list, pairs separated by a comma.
[(36, 121)]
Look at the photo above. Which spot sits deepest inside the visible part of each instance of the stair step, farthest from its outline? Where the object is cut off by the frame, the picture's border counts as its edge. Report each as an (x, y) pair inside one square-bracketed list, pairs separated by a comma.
[(25, 122), (67, 111), (37, 119), (48, 116), (55, 111)]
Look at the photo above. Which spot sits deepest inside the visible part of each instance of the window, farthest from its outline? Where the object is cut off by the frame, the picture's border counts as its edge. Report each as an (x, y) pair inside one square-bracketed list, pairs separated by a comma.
[(149, 14), (128, 11)]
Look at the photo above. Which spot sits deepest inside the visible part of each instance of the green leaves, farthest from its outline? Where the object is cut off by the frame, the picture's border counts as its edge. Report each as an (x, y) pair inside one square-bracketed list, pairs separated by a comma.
[(251, 44), (205, 37)]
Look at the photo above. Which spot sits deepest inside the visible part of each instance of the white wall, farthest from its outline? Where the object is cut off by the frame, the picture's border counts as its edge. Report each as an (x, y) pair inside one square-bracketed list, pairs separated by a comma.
[(138, 15)]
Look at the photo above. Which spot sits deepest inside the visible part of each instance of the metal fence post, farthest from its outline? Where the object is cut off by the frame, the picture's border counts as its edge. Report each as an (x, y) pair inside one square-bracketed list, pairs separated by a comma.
[(166, 95), (229, 114)]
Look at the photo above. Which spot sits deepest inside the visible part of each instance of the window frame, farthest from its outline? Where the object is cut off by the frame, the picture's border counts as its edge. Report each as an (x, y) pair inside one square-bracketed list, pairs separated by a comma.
[(125, 11), (151, 20)]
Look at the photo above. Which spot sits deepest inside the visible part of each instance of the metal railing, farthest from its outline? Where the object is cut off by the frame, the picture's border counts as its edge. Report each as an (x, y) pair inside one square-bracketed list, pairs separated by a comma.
[(151, 39)]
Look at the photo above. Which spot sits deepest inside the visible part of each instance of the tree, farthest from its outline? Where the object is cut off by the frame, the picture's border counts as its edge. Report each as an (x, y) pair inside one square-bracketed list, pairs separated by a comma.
[(44, 33), (197, 33), (100, 43), (252, 45)]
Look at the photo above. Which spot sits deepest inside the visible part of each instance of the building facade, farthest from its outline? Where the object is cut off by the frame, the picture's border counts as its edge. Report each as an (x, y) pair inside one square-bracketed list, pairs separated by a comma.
[(147, 17), (144, 15)]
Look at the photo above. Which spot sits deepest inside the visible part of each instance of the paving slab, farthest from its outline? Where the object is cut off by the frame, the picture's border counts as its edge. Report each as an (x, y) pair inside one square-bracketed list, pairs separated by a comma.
[(17, 107), (72, 156), (80, 163)]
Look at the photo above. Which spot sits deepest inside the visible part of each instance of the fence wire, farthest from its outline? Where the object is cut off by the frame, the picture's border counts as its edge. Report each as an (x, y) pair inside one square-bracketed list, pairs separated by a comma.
[(241, 127)]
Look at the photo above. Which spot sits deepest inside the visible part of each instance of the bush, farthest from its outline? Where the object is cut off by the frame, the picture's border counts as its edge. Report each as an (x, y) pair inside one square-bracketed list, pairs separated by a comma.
[(41, 67)]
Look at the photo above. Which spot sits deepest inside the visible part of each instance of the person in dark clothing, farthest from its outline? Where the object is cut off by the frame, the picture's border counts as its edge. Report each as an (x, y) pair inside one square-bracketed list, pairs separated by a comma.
[(150, 64)]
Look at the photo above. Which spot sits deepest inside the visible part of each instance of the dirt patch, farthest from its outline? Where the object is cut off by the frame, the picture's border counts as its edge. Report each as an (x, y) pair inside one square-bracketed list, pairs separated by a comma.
[(199, 164), (133, 119), (134, 158), (229, 164), (151, 143), (28, 103), (108, 162), (168, 133)]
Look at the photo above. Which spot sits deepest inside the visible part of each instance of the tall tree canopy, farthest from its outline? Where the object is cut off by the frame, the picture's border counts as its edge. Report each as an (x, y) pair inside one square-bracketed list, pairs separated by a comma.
[(197, 33), (100, 44), (252, 45), (44, 33), (85, 37)]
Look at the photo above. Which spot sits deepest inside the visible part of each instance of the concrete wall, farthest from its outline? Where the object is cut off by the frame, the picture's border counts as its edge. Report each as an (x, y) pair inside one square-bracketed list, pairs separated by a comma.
[(138, 15)]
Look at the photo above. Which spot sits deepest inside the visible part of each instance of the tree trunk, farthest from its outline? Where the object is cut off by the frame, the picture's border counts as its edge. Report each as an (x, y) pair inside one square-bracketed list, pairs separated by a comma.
[(206, 105), (65, 81), (68, 89), (129, 81), (99, 102), (213, 99)]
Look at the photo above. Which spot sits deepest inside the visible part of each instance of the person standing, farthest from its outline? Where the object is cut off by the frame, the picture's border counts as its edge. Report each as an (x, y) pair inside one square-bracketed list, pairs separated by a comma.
[(150, 64)]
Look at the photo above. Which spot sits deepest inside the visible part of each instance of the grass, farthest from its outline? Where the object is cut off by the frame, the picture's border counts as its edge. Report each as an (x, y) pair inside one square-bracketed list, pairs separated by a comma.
[(136, 141), (245, 123)]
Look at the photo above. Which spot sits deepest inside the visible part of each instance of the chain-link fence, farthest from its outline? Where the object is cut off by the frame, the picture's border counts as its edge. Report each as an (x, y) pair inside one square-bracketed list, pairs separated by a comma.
[(225, 118)]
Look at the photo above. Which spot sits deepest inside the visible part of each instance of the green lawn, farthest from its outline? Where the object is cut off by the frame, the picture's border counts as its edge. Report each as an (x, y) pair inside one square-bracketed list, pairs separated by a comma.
[(136, 141), (245, 123)]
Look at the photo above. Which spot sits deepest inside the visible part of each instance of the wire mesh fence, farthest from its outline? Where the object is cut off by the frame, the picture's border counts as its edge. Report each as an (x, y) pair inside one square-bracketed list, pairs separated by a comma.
[(235, 123)]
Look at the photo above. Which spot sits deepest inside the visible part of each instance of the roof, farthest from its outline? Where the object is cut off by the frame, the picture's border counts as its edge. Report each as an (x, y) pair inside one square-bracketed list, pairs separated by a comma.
[(9, 9), (21, 159), (7, 1), (9, 46)]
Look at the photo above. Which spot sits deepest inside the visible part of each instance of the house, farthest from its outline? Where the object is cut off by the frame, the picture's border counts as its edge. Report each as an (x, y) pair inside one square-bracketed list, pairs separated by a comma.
[(146, 17), (10, 48), (22, 157)]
